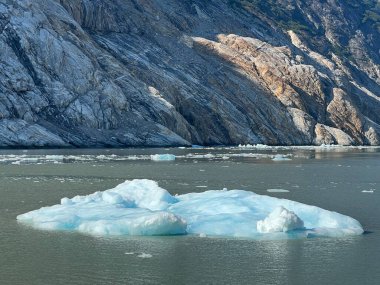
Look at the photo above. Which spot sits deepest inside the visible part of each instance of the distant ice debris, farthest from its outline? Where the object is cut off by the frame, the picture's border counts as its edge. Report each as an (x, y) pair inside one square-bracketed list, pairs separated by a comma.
[(263, 152), (145, 255), (257, 146), (162, 157), (55, 157), (141, 207), (280, 157), (277, 191), (198, 156), (368, 191), (196, 146), (331, 146), (322, 147), (280, 220)]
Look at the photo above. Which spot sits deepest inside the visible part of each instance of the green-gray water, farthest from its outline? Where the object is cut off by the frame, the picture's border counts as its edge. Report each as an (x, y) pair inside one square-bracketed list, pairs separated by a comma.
[(332, 179)]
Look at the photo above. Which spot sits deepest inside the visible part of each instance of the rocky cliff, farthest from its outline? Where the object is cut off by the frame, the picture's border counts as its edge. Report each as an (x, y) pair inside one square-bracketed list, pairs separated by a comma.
[(180, 72)]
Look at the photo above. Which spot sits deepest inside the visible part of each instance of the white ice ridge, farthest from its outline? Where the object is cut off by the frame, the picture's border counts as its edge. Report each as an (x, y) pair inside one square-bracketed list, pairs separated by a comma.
[(141, 207), (280, 220)]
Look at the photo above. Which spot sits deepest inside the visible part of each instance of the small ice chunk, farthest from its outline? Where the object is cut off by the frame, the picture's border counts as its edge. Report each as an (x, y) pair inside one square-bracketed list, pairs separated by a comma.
[(367, 191), (162, 157), (280, 220), (129, 253), (257, 146), (196, 146), (145, 255), (262, 146), (277, 191), (202, 235), (30, 159), (280, 157), (329, 145), (55, 157)]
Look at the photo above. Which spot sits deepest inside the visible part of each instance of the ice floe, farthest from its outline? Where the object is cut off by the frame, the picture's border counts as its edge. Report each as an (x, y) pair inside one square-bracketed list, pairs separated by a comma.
[(141, 207), (322, 147), (257, 146), (274, 190), (162, 157), (368, 191), (281, 157), (145, 255)]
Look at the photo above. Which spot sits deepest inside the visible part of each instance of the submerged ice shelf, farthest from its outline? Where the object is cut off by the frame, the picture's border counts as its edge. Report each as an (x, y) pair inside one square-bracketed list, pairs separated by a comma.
[(141, 207)]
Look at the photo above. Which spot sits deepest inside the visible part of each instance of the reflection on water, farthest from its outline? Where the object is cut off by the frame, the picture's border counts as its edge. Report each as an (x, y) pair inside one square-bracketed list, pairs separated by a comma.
[(332, 179)]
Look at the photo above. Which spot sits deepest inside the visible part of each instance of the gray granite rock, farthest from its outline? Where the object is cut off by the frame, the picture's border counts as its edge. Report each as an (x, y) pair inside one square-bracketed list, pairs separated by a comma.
[(165, 73)]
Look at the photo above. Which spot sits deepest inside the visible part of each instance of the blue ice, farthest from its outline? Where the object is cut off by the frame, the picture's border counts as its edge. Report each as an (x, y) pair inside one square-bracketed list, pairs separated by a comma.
[(162, 157), (141, 207)]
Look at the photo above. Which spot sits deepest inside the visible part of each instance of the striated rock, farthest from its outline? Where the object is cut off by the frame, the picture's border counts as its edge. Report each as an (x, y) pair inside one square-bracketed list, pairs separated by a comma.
[(160, 73), (328, 135), (345, 115), (304, 123), (19, 132)]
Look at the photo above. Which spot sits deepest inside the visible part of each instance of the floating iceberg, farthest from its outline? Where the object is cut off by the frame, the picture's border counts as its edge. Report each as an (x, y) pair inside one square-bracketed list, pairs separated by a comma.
[(278, 191), (280, 157), (141, 207), (162, 157), (257, 146), (145, 255)]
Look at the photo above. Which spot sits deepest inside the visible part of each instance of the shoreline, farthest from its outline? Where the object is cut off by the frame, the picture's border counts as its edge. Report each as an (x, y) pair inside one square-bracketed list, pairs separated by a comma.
[(247, 146)]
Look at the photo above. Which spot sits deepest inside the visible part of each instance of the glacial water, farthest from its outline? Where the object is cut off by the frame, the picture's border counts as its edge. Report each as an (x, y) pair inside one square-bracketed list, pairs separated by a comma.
[(345, 180)]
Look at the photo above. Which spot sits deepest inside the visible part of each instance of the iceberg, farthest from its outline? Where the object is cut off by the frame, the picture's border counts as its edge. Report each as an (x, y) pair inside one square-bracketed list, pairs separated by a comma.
[(280, 157), (141, 207), (277, 190), (145, 255), (162, 157)]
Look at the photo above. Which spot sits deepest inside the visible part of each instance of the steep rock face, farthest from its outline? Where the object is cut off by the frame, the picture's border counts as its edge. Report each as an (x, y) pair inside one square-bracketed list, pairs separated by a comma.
[(156, 73)]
